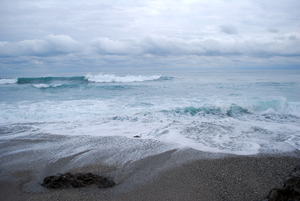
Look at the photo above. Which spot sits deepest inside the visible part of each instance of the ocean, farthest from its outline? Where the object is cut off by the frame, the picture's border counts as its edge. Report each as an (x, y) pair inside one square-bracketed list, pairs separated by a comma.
[(231, 112)]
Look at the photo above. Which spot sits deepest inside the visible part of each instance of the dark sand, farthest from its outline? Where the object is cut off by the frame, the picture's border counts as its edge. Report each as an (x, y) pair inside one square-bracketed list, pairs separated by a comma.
[(166, 176)]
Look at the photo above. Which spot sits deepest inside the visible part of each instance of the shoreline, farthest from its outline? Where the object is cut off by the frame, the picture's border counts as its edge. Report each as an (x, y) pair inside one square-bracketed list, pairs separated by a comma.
[(149, 170)]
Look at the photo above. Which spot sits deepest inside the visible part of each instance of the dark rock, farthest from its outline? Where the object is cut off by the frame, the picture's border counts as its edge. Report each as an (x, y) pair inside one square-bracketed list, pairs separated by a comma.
[(77, 180), (290, 190)]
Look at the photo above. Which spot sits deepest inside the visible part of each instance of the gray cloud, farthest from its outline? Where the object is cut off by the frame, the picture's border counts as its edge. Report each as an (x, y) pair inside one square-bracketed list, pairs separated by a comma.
[(161, 46), (48, 46), (292, 37), (165, 46), (228, 29), (272, 30), (112, 47)]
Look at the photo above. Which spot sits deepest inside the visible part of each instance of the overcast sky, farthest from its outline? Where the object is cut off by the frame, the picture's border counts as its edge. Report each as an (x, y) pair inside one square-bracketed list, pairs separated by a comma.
[(96, 35)]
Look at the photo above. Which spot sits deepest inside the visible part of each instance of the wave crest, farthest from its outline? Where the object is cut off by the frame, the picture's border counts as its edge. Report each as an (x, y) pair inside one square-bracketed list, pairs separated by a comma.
[(104, 78), (8, 81)]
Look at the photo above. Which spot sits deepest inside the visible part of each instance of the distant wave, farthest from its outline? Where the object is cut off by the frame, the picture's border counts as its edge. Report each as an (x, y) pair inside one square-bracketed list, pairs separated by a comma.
[(8, 81), (46, 82), (128, 78), (274, 107)]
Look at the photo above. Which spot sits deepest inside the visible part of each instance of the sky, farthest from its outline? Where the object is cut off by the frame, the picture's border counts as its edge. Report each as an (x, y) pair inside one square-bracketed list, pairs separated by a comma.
[(96, 35)]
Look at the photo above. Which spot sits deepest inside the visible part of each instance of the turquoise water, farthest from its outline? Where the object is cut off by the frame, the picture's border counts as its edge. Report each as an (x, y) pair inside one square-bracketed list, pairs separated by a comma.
[(239, 112)]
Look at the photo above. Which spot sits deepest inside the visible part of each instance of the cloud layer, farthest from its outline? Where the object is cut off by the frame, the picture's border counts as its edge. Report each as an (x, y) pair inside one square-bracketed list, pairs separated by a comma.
[(51, 45), (48, 46), (101, 35)]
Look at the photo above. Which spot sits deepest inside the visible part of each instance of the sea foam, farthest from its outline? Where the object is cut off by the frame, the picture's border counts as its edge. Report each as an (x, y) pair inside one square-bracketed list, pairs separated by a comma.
[(237, 117), (41, 86)]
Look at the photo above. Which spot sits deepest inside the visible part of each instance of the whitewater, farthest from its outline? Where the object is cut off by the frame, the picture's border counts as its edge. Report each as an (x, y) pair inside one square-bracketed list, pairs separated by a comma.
[(231, 112)]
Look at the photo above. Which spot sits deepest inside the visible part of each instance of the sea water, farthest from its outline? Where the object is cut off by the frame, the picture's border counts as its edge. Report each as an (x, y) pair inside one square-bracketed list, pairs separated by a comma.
[(235, 112)]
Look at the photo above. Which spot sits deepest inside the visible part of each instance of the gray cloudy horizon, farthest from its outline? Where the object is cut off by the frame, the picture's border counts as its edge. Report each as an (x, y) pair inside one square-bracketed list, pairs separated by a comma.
[(73, 36)]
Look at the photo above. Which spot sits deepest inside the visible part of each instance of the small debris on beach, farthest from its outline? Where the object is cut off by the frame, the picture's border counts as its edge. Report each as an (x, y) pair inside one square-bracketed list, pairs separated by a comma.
[(77, 180)]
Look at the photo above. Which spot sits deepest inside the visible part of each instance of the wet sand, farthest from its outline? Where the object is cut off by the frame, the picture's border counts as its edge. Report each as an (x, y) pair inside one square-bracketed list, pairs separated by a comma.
[(232, 178), (173, 175)]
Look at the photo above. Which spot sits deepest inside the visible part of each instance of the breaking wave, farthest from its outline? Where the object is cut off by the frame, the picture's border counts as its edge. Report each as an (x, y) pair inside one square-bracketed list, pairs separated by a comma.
[(128, 78), (8, 81), (46, 82)]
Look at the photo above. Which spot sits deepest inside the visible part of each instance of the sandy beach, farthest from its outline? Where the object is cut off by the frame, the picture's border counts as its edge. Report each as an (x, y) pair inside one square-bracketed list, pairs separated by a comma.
[(176, 174), (150, 100)]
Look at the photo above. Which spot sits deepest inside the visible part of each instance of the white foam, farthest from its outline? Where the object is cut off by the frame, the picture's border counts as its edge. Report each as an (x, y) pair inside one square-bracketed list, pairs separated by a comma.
[(113, 78), (8, 81), (41, 86), (245, 135), (294, 140)]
